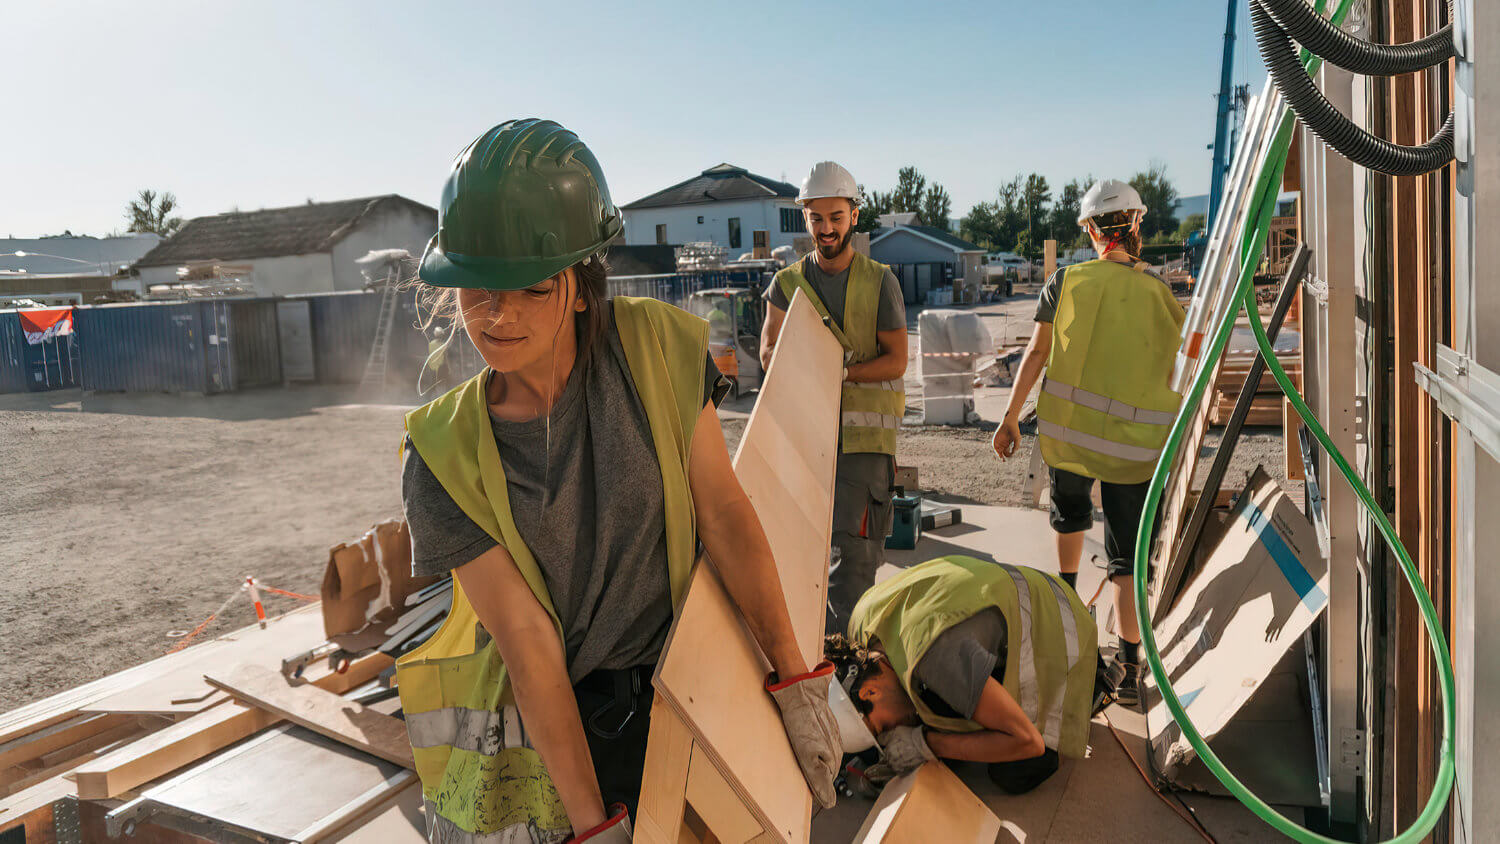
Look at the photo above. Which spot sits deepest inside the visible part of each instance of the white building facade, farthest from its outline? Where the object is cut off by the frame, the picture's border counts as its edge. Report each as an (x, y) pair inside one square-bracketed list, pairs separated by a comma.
[(724, 205)]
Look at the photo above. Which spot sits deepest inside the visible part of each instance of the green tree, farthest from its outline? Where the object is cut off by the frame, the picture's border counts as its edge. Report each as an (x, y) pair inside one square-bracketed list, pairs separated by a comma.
[(1190, 224), (871, 206), (981, 226), (149, 212), (1065, 211), (911, 185), (1160, 197), (1036, 195), (936, 206)]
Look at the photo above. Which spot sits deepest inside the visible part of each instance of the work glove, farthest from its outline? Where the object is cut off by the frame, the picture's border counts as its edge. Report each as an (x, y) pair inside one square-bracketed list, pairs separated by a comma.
[(615, 830), (803, 701), (905, 749)]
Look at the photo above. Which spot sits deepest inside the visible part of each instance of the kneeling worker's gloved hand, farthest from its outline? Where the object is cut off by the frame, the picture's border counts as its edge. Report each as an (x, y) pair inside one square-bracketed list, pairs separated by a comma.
[(615, 830), (803, 701), (905, 749)]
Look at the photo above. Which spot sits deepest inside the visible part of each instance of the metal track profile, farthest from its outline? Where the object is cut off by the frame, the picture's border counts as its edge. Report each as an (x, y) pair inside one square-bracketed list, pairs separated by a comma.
[(1467, 393)]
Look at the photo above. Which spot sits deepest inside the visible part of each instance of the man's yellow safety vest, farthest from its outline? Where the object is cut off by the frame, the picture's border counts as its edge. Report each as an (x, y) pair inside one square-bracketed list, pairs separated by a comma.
[(1105, 408), (871, 412), (454, 689), (1051, 649)]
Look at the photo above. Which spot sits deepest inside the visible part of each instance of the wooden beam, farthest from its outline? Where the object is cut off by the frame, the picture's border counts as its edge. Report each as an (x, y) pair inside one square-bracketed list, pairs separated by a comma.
[(197, 736), (322, 712)]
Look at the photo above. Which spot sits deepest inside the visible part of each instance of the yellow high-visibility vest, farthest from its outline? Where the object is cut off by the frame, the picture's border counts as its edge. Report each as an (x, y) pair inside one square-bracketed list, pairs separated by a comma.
[(1052, 645), (454, 689), (870, 412), (1105, 408)]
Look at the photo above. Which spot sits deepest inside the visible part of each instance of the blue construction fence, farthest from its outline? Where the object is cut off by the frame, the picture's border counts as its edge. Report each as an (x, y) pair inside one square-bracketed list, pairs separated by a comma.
[(207, 346)]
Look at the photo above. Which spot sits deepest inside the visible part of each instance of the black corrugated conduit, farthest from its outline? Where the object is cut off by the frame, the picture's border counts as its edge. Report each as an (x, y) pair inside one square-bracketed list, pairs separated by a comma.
[(1325, 121), (1326, 41)]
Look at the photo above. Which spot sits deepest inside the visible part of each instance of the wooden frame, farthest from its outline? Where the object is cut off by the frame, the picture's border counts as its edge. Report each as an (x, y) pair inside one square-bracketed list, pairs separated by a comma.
[(718, 762)]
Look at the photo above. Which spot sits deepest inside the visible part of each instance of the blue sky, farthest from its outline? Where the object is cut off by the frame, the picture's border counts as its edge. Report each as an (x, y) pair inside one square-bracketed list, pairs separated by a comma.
[(263, 104)]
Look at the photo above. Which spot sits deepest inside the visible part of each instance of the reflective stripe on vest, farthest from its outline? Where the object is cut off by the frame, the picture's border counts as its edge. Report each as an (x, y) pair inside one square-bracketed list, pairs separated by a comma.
[(481, 777), (872, 411), (1132, 453), (1106, 406), (440, 830), (1050, 656)]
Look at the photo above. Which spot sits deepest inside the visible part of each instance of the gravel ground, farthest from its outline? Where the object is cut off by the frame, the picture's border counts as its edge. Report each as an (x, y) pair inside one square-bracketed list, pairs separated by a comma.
[(129, 517)]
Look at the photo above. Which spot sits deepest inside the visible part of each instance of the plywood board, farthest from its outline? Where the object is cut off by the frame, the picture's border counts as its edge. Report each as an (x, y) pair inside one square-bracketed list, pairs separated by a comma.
[(322, 712), (712, 673), (669, 749), (197, 736), (181, 691), (929, 804)]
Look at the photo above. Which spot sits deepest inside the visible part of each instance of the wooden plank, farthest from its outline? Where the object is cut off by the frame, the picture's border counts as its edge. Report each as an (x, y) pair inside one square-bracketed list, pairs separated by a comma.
[(1290, 422), (669, 748), (715, 801), (54, 737), (297, 631), (197, 736), (66, 759), (712, 672), (322, 712), (929, 804)]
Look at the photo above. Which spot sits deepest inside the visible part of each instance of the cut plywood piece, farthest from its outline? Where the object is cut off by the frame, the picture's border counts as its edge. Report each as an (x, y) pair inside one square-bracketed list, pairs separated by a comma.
[(181, 690), (400, 820), (196, 737), (322, 712), (669, 749), (715, 802), (929, 804), (712, 672)]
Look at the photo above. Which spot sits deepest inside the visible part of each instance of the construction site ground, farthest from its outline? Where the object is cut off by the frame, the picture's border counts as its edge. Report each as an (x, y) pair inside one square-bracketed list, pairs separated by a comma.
[(132, 518)]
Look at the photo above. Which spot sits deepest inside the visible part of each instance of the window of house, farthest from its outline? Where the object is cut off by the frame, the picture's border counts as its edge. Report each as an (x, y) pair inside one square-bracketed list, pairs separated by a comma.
[(760, 238), (700, 219), (734, 232), (661, 233), (791, 220)]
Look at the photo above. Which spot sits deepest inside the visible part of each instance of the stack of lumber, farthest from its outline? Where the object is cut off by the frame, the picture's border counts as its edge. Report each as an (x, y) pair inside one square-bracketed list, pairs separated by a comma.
[(1234, 370), (121, 743)]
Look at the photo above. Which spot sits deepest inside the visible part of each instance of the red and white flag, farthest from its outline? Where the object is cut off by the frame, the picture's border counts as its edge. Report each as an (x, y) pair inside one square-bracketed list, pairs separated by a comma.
[(41, 326)]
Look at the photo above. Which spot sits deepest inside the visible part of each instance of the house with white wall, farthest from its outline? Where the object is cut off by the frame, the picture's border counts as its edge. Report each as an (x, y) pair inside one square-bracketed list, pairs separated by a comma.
[(927, 257), (307, 248), (725, 205)]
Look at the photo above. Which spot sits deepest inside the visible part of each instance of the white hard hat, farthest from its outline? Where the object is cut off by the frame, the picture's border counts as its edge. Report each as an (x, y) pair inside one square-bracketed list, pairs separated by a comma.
[(828, 180), (1109, 195), (853, 734)]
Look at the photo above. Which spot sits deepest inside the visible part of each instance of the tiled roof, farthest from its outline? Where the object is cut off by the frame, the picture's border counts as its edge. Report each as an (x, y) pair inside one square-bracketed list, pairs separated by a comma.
[(299, 230), (716, 184)]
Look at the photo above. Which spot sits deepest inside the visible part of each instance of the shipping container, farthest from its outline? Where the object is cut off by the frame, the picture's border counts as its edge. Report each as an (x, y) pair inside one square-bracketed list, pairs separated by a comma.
[(12, 363), (255, 343), (179, 347), (50, 365), (343, 331)]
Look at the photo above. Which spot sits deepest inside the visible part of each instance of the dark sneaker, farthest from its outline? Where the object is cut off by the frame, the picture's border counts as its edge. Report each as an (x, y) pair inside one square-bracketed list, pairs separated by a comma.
[(1126, 679)]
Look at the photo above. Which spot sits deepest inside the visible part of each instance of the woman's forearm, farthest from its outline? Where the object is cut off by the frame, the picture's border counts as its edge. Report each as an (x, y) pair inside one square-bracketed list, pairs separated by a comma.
[(539, 679), (742, 556), (984, 746)]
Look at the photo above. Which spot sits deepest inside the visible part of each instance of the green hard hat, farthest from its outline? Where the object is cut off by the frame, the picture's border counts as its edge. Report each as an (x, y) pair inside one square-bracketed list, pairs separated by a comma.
[(524, 201)]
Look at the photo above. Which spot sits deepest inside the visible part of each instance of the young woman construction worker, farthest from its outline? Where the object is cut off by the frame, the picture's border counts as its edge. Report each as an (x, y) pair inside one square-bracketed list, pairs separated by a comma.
[(966, 659), (567, 487), (1106, 334)]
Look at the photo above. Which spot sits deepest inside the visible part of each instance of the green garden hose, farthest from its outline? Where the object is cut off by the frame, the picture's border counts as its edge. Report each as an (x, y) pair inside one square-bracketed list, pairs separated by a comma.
[(1256, 232)]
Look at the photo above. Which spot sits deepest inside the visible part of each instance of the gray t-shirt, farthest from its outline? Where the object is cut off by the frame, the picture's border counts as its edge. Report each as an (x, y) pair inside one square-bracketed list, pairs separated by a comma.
[(1046, 303), (890, 316), (952, 674), (599, 537)]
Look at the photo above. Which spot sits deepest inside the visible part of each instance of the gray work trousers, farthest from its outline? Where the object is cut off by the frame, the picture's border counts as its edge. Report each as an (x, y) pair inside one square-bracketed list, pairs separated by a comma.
[(862, 515)]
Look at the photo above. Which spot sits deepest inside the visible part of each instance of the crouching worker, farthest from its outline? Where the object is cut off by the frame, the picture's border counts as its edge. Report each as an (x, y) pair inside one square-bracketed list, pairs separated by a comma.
[(567, 486), (964, 659)]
